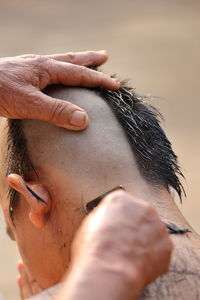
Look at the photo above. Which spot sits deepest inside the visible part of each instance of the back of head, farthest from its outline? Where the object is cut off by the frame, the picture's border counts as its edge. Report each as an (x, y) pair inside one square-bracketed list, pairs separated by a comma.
[(123, 145), (133, 121)]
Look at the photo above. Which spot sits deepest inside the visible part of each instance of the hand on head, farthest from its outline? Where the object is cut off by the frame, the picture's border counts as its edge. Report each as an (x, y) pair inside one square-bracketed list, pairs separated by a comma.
[(23, 77)]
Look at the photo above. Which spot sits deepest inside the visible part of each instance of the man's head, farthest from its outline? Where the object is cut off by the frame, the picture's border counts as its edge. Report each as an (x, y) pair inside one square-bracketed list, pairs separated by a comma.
[(123, 144)]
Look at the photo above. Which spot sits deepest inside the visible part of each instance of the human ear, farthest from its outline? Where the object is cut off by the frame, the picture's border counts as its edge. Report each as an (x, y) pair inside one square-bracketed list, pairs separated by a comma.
[(36, 196)]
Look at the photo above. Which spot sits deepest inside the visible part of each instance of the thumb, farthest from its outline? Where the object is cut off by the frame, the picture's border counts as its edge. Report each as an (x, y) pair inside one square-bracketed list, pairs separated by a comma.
[(58, 112)]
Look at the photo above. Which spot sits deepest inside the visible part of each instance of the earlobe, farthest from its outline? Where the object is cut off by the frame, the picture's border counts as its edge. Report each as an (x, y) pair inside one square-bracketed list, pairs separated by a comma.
[(36, 196)]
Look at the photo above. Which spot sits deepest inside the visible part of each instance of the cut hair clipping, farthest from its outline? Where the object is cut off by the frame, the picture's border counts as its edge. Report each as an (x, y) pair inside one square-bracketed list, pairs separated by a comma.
[(94, 203)]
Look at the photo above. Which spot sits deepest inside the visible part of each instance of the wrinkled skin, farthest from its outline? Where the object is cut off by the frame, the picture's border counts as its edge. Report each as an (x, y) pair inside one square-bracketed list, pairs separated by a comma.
[(23, 77)]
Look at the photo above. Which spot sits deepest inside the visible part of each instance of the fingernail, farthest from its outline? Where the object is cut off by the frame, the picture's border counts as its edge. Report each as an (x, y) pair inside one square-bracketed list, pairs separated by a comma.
[(78, 118)]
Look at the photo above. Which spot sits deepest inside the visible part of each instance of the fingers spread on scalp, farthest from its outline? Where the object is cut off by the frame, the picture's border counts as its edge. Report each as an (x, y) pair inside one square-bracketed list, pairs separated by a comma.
[(74, 75), (87, 58)]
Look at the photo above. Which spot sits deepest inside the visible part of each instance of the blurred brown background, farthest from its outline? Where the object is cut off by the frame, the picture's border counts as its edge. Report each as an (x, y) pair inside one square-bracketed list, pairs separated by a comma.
[(155, 43)]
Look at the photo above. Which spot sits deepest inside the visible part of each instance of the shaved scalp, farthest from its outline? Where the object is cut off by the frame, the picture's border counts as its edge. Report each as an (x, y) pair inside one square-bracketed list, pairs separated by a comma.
[(140, 123)]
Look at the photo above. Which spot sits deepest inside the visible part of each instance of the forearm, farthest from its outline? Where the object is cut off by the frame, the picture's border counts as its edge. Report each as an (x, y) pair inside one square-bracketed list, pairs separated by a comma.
[(100, 280)]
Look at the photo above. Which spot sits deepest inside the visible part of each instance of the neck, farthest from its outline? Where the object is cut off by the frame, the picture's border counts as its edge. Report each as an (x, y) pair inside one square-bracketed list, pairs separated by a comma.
[(134, 183), (161, 199)]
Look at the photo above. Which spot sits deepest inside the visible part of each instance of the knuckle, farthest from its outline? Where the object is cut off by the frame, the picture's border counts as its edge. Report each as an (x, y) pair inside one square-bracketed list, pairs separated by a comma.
[(71, 55), (41, 60), (90, 52), (47, 64), (38, 62), (122, 203), (28, 56), (43, 65), (117, 196), (149, 209), (58, 111)]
